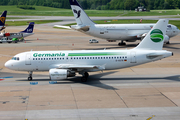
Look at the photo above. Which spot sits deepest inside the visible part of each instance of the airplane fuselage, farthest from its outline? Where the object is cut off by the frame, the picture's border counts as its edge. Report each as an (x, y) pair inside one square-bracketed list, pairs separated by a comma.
[(19, 35), (126, 32), (102, 59)]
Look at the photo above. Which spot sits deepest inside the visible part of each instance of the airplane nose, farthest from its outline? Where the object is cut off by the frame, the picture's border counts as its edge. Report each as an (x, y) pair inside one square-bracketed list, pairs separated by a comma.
[(7, 65)]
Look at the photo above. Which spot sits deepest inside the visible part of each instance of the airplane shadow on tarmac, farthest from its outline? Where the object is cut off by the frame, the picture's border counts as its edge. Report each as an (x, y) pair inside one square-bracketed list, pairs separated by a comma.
[(97, 79)]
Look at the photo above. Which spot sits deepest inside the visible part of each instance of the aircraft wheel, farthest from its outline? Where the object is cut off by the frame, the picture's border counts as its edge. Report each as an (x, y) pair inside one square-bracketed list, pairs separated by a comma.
[(122, 43), (168, 42), (86, 74), (29, 78)]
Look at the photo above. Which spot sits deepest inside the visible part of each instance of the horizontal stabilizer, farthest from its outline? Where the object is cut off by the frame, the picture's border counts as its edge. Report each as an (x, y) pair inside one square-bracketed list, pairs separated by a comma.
[(153, 56), (60, 26), (80, 28)]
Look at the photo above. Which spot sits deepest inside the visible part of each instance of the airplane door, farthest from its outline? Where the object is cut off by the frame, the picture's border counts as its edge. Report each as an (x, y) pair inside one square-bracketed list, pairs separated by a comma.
[(102, 31), (28, 59), (133, 57)]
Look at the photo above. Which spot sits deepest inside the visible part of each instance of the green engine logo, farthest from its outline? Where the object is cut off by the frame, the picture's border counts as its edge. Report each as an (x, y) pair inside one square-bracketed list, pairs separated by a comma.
[(157, 35)]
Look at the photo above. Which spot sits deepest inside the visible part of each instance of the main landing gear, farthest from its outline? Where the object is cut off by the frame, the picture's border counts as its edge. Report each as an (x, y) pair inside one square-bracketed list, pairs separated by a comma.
[(84, 77), (121, 43), (30, 75)]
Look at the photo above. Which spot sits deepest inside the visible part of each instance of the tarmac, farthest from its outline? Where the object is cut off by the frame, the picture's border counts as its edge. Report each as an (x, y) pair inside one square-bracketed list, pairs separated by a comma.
[(149, 91)]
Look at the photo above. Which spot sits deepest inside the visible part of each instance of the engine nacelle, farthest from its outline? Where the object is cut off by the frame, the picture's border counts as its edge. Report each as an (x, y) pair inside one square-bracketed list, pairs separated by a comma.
[(166, 39), (60, 74)]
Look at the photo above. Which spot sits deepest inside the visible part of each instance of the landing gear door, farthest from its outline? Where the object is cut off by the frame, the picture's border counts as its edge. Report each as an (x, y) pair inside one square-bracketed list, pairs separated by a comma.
[(133, 57), (28, 59)]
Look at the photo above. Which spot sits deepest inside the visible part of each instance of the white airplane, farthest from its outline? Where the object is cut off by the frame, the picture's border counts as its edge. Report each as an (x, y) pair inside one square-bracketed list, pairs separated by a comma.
[(27, 32), (3, 20), (113, 32), (64, 64)]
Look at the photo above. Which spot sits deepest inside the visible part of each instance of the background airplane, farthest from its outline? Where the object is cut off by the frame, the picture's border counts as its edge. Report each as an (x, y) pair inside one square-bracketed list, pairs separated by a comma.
[(63, 64), (3, 20), (113, 32), (27, 32)]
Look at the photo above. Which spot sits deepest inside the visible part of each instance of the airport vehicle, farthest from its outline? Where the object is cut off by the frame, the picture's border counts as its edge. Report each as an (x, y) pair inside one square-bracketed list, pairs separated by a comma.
[(27, 32), (5, 40), (93, 41), (63, 64), (3, 20), (113, 32)]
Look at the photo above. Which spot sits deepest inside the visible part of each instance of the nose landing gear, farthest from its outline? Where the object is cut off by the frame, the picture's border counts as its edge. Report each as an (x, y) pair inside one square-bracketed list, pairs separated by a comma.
[(30, 75)]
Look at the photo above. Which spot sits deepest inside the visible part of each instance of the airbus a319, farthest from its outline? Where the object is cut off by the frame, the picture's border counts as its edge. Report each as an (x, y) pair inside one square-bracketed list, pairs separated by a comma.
[(64, 64)]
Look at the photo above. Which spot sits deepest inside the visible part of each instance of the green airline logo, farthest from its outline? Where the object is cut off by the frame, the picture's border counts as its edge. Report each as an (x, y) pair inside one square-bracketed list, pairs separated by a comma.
[(157, 35)]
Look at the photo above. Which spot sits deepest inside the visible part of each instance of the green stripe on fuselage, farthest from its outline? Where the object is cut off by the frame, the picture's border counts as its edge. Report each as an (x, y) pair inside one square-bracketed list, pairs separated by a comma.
[(97, 54)]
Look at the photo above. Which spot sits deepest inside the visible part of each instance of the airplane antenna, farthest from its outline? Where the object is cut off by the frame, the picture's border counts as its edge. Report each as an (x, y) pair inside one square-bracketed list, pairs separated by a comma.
[(104, 48), (31, 50)]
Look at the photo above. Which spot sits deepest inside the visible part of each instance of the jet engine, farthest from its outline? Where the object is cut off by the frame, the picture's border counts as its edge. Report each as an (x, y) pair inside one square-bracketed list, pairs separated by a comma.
[(60, 74), (166, 39)]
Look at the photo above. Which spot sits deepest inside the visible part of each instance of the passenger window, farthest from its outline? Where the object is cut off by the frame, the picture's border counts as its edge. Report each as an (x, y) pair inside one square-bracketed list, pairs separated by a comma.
[(41, 58), (38, 58)]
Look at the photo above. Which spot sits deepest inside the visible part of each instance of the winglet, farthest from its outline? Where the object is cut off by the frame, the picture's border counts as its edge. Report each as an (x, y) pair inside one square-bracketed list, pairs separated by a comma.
[(154, 40), (29, 29)]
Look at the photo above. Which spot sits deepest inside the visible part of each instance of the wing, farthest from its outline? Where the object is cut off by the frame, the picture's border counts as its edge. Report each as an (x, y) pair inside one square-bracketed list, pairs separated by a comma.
[(60, 26), (77, 66)]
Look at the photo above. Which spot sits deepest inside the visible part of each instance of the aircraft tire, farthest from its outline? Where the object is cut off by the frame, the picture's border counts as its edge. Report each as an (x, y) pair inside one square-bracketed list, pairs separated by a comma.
[(29, 78), (86, 74), (168, 42)]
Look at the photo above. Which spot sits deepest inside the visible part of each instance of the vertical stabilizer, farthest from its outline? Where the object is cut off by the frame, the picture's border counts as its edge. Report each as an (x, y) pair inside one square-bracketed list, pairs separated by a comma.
[(29, 29), (79, 14), (3, 18), (154, 40)]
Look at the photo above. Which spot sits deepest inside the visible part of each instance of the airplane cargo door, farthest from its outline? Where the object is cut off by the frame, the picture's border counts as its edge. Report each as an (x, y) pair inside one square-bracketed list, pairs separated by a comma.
[(28, 59), (133, 57)]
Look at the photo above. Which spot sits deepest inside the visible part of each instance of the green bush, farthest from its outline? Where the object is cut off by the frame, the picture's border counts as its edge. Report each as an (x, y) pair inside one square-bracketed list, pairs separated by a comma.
[(26, 7)]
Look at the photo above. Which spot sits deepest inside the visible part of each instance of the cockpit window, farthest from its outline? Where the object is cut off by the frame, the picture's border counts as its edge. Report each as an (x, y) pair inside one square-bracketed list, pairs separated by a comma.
[(15, 58)]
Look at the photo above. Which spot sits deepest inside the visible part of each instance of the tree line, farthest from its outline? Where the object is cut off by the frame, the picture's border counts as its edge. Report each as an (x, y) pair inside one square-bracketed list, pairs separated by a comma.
[(100, 4)]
